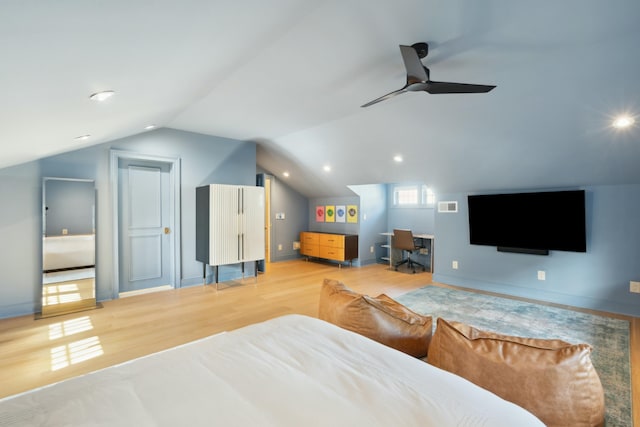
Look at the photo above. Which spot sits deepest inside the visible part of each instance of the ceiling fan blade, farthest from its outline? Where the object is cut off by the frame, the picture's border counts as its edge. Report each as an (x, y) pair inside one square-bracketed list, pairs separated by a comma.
[(415, 70), (446, 87), (385, 97)]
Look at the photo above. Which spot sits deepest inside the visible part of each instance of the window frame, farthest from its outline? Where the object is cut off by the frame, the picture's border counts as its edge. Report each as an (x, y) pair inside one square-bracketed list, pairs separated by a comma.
[(423, 196)]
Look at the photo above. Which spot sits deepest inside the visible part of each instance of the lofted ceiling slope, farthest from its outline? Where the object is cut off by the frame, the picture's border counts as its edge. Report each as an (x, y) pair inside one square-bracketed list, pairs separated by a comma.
[(291, 76)]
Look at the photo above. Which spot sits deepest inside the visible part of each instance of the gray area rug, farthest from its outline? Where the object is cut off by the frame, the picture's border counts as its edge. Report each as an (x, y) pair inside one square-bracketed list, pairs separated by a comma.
[(609, 337)]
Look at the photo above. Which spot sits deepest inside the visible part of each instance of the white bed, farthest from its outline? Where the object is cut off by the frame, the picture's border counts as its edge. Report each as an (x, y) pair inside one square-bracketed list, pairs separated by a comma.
[(289, 371)]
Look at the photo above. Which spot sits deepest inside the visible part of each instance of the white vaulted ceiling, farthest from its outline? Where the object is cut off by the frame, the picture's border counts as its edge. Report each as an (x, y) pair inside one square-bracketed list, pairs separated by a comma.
[(291, 75)]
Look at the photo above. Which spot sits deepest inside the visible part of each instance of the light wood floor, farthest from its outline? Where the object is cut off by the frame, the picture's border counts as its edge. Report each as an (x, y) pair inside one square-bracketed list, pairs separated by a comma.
[(34, 353)]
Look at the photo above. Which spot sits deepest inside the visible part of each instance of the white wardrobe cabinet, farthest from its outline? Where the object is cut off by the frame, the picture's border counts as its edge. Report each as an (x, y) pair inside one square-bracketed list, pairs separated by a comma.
[(229, 225)]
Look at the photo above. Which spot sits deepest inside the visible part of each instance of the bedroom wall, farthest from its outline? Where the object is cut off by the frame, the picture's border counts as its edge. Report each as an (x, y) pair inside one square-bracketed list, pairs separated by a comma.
[(21, 234), (417, 219), (335, 227), (598, 279), (373, 221), (204, 160), (285, 231)]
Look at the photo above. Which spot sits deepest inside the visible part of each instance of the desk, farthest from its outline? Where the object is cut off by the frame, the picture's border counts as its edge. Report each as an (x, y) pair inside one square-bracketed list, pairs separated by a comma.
[(393, 254)]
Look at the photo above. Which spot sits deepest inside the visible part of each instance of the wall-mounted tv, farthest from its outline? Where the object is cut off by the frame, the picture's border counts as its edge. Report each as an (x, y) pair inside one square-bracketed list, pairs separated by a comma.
[(534, 222)]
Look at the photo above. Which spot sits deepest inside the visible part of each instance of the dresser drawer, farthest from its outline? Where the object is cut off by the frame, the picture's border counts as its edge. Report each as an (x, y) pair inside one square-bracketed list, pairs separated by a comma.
[(309, 238), (332, 240), (309, 249), (336, 254)]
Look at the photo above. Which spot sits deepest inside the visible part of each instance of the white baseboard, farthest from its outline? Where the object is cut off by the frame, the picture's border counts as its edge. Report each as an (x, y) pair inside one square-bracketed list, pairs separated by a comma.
[(144, 291)]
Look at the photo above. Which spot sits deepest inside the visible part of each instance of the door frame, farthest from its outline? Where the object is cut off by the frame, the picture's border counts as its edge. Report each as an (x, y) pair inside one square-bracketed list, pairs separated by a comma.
[(261, 181), (174, 212)]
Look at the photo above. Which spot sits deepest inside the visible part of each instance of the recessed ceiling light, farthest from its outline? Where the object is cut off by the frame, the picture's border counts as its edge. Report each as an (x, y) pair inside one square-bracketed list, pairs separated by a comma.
[(622, 122), (82, 137), (285, 174), (397, 159), (327, 168), (101, 96), (149, 127)]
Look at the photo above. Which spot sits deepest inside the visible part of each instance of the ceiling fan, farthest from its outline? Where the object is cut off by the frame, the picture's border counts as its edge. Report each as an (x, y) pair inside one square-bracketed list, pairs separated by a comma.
[(418, 77)]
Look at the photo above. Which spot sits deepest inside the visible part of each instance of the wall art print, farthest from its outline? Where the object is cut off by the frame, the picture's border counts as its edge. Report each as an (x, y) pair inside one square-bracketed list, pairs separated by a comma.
[(341, 213), (352, 213), (319, 213), (330, 213)]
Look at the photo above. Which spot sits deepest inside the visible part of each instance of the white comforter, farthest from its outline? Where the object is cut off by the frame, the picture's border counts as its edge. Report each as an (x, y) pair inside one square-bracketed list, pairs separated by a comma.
[(289, 371)]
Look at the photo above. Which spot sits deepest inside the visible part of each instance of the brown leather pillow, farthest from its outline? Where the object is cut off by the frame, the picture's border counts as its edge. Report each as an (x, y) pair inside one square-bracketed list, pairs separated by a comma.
[(552, 379), (381, 318)]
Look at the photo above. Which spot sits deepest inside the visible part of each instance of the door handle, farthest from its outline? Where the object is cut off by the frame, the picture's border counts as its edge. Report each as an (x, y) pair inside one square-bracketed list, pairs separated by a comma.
[(167, 230)]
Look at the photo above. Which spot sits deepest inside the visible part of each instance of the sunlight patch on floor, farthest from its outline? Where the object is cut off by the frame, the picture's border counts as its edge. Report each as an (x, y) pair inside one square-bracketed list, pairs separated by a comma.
[(69, 327), (75, 352)]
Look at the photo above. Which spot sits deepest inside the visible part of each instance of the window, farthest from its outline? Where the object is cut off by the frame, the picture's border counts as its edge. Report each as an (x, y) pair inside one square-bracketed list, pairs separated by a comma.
[(404, 196), (428, 196), (413, 195)]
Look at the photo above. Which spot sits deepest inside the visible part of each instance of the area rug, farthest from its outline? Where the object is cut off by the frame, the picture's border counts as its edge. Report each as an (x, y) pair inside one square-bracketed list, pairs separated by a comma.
[(609, 337)]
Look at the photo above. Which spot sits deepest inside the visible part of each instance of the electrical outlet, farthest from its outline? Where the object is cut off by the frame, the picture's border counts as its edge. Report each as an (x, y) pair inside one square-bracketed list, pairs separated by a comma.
[(634, 287), (542, 275), (371, 249), (454, 265), (296, 246), (279, 247), (424, 251), (65, 231)]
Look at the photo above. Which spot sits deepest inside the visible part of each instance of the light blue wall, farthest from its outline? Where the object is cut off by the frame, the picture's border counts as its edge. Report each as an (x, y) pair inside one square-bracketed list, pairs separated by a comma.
[(21, 235), (334, 227), (373, 221), (598, 279), (204, 160), (418, 220), (285, 231)]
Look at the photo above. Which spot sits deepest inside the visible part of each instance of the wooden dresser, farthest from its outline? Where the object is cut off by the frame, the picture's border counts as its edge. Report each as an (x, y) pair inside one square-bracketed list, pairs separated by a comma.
[(334, 247)]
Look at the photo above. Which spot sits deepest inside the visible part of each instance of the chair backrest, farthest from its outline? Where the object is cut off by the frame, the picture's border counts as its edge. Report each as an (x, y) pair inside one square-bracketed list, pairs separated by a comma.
[(403, 239)]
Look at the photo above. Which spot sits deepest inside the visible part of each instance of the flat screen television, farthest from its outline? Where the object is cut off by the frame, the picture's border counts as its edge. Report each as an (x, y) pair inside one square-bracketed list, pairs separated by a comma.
[(529, 222)]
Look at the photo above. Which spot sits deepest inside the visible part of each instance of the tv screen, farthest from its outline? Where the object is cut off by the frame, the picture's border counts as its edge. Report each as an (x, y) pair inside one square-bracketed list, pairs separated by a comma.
[(543, 221)]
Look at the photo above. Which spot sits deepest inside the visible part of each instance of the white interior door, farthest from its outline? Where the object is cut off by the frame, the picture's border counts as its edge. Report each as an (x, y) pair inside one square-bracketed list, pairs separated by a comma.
[(144, 227)]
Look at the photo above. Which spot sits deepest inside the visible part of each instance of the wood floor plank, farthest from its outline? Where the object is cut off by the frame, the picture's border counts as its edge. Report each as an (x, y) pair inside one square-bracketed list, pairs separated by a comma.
[(135, 326)]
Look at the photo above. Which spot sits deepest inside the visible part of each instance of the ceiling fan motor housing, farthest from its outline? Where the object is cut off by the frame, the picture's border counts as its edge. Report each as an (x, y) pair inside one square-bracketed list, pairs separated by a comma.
[(422, 49)]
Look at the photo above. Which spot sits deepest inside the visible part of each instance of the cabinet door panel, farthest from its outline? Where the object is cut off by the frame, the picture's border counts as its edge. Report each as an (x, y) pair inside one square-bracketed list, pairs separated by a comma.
[(224, 226), (252, 220)]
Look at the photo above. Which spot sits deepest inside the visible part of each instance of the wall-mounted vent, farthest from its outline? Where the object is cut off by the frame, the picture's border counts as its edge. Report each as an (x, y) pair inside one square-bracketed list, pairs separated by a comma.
[(448, 207)]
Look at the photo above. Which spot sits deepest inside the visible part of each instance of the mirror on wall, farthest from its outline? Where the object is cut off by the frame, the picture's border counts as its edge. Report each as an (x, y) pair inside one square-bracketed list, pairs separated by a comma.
[(68, 246)]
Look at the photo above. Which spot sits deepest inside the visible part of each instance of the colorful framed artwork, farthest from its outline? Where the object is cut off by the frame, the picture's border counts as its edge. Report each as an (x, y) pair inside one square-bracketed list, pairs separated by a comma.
[(319, 213), (330, 213), (341, 213), (352, 213)]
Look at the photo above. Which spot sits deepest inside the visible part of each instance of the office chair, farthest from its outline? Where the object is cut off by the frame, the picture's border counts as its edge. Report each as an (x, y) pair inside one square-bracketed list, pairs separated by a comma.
[(403, 239)]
